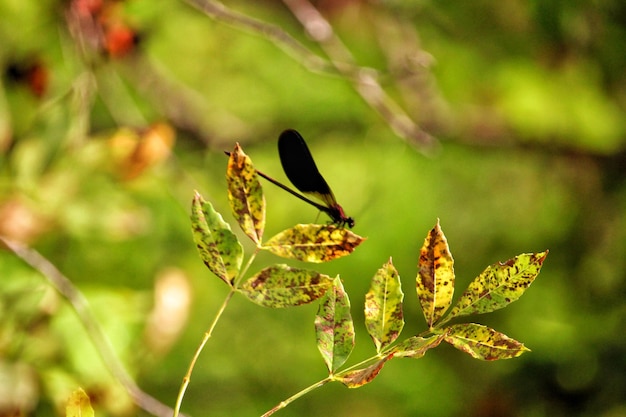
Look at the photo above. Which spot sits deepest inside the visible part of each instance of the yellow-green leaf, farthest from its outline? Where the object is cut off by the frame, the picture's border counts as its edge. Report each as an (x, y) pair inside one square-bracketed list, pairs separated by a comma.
[(334, 327), (435, 278), (217, 244), (245, 195), (360, 377), (313, 243), (280, 286), (79, 405), (482, 342), (415, 347), (383, 307), (499, 285)]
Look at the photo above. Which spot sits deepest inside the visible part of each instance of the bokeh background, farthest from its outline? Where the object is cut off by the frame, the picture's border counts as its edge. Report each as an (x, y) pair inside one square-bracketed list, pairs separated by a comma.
[(505, 120)]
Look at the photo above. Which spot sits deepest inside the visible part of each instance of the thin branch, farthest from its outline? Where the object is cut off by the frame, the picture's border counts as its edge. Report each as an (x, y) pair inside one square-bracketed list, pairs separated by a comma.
[(299, 394), (209, 333), (275, 34), (192, 364), (364, 81), (80, 305), (340, 62)]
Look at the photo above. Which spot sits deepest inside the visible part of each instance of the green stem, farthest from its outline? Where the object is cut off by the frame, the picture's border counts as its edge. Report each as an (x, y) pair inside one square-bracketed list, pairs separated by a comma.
[(294, 397), (207, 335), (243, 271)]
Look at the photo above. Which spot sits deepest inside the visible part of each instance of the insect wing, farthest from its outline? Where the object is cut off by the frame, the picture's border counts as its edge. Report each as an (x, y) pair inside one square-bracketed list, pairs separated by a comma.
[(300, 167)]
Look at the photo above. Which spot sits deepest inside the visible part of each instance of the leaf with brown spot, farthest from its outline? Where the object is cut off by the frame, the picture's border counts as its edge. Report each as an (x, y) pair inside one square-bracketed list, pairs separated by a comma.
[(360, 377), (79, 405), (245, 195), (383, 307), (334, 327), (217, 245), (313, 243), (435, 278), (415, 347), (482, 342), (499, 285), (279, 286)]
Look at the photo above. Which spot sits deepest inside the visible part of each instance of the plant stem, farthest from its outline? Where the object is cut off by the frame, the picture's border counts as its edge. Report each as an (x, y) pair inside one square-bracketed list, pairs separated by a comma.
[(294, 397), (207, 336), (208, 333), (243, 271)]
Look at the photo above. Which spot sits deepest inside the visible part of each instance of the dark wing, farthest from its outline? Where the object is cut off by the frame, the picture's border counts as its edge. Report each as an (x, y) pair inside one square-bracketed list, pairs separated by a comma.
[(300, 167)]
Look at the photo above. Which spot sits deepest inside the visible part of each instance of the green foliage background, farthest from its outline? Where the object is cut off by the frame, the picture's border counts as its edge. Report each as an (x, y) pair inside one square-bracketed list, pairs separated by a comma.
[(526, 99)]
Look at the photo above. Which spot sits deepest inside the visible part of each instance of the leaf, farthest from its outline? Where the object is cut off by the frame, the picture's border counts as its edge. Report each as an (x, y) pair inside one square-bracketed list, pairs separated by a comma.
[(245, 195), (360, 377), (383, 307), (334, 327), (499, 285), (79, 405), (415, 347), (483, 343), (313, 243), (435, 278), (217, 244), (281, 286)]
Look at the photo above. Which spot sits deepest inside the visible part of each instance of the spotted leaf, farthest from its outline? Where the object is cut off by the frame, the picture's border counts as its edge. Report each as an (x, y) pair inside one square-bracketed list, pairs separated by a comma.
[(334, 327), (245, 195), (482, 342), (313, 243), (360, 377), (79, 405), (280, 286), (217, 245), (435, 278), (416, 346), (499, 285), (383, 307)]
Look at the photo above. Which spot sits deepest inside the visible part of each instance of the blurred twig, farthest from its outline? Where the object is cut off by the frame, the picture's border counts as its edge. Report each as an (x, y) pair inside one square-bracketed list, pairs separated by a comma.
[(278, 36), (340, 60), (365, 80), (80, 305), (409, 66)]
